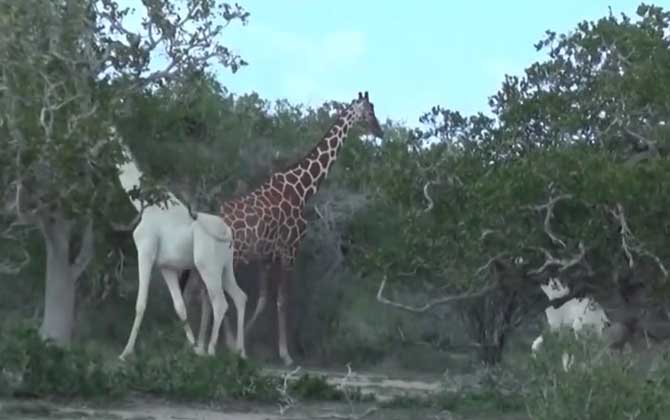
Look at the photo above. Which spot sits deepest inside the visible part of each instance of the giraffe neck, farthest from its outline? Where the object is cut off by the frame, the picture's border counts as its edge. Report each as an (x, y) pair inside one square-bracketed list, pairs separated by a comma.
[(130, 176), (307, 174)]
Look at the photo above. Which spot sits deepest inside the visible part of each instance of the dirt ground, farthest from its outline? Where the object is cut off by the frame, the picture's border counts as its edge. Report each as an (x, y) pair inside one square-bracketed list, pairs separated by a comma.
[(145, 408)]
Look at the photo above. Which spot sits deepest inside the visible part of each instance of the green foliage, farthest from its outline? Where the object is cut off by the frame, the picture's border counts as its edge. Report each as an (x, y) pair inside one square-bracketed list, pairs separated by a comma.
[(312, 387), (186, 376), (33, 366), (597, 385), (36, 367)]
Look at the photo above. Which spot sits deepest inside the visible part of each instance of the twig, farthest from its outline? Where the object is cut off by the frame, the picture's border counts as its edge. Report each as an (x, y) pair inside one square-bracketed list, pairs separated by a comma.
[(286, 402), (441, 301)]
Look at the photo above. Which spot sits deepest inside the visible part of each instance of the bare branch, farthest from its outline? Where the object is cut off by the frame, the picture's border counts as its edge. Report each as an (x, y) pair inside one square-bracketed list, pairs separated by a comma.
[(428, 197), (441, 301), (486, 233), (491, 260), (286, 402), (23, 217), (549, 208), (630, 244), (563, 264)]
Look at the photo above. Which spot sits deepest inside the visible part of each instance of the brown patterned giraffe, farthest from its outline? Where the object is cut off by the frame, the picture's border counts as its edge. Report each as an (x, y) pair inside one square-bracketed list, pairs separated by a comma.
[(268, 223)]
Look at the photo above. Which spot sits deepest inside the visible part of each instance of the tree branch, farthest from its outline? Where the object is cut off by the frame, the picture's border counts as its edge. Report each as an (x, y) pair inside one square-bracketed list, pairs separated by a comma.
[(549, 208), (441, 301), (27, 218), (630, 244), (431, 204), (563, 264)]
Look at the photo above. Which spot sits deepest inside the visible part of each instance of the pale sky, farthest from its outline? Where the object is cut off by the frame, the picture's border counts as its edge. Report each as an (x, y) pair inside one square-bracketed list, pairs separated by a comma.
[(410, 56)]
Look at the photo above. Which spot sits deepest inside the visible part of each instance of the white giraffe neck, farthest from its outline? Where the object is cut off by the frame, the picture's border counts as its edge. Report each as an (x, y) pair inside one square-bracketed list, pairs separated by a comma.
[(130, 175)]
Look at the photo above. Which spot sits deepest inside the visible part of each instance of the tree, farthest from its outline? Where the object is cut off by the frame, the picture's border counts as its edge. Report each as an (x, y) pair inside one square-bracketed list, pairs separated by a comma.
[(65, 68), (568, 179)]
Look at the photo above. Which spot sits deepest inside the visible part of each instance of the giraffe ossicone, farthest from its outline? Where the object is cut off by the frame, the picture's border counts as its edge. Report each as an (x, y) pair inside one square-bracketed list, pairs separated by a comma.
[(268, 223)]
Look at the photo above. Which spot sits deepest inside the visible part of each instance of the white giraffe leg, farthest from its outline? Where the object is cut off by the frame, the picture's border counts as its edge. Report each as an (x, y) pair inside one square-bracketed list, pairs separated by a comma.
[(172, 280), (210, 256), (205, 314), (146, 254), (219, 306), (240, 301)]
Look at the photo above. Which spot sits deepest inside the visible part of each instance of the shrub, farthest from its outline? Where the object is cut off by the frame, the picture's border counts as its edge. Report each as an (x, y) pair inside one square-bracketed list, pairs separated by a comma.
[(598, 385), (33, 366)]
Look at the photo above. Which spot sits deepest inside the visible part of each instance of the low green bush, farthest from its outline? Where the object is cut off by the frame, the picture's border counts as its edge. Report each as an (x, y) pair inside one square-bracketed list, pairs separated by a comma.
[(597, 385), (31, 366)]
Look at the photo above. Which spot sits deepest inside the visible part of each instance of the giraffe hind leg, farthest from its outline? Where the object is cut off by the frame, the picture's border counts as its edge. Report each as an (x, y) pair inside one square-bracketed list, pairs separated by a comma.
[(146, 253), (263, 288)]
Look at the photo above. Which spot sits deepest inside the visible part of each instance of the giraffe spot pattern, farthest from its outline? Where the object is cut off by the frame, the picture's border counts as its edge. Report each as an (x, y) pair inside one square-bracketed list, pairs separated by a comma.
[(269, 222)]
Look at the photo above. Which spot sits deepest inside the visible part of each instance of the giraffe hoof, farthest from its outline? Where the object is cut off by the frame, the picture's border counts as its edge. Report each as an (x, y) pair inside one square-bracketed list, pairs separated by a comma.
[(200, 351)]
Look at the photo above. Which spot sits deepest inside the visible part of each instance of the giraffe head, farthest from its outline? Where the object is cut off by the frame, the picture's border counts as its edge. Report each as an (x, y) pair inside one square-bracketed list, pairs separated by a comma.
[(365, 111)]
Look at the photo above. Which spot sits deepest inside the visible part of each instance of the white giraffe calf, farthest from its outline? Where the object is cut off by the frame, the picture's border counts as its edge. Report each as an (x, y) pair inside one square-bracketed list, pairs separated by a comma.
[(575, 313), (172, 240)]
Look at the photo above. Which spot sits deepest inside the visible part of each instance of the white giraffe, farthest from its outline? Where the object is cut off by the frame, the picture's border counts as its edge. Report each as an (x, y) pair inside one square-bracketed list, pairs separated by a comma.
[(575, 313), (175, 241)]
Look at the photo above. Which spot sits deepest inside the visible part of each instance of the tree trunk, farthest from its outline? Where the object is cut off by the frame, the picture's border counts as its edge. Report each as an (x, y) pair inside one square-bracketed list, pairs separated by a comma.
[(59, 294), (491, 354)]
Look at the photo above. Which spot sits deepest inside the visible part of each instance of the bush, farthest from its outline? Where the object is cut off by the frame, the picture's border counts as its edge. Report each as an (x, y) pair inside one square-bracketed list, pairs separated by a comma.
[(31, 366), (598, 385)]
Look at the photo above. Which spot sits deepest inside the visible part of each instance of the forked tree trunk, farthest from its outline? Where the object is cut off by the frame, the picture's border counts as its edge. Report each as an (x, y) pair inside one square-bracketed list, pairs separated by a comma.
[(59, 293)]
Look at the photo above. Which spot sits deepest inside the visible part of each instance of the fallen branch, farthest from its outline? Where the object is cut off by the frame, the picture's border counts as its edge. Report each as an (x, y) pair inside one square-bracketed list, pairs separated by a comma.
[(441, 301)]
